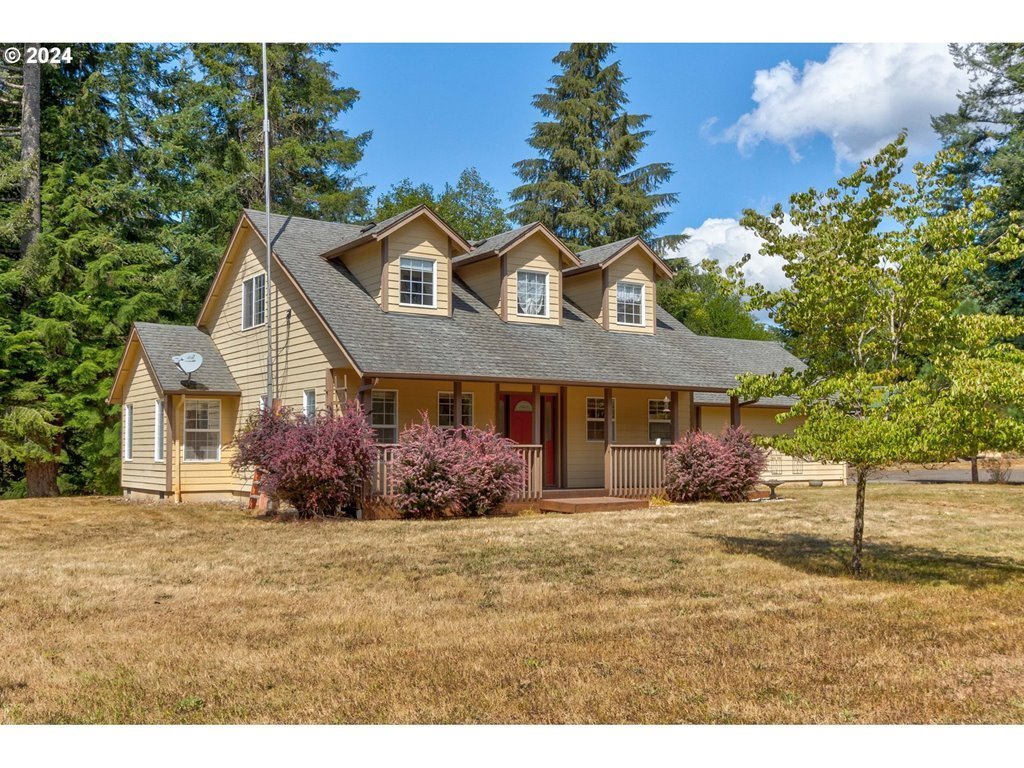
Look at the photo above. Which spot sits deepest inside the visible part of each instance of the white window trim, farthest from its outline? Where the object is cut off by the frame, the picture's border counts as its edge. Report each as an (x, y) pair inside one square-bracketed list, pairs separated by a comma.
[(306, 393), (434, 281), (587, 419), (547, 293), (472, 407), (658, 421), (128, 434), (185, 430), (643, 304), (384, 426), (159, 434), (252, 279)]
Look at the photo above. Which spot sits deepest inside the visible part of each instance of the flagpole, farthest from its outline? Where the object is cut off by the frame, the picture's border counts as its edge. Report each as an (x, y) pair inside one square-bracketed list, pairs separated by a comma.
[(266, 192)]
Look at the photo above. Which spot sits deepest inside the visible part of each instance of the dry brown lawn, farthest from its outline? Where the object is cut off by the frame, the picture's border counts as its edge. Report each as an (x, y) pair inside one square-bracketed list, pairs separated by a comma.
[(112, 612)]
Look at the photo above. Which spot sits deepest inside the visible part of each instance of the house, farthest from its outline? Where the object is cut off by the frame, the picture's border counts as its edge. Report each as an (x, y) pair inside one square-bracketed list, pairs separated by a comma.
[(567, 354)]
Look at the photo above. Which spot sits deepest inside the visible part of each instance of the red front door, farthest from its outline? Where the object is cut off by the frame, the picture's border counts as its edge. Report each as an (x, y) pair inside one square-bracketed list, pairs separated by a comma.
[(520, 427)]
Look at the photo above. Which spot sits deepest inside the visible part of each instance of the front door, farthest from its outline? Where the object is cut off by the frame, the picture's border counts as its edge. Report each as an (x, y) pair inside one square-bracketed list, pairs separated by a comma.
[(520, 428)]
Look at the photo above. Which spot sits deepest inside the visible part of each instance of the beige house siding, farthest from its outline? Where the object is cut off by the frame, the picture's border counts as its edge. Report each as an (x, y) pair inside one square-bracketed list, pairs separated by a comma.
[(537, 254), (586, 291), (209, 477), (365, 264), (757, 421), (421, 239), (416, 396), (484, 279), (633, 266), (142, 472)]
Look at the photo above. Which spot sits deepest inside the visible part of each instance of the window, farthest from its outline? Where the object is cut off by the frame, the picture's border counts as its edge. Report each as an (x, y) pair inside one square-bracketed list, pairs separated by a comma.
[(659, 421), (128, 447), (416, 282), (629, 302), (202, 430), (158, 431), (384, 415), (445, 413), (263, 403), (532, 293), (254, 302), (595, 419), (309, 403)]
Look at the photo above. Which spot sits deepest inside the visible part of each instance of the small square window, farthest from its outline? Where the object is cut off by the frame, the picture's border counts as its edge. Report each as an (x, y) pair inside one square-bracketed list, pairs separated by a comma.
[(416, 282)]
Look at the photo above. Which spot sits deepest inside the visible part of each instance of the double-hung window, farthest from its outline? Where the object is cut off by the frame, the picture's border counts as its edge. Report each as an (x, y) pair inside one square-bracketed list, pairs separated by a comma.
[(629, 303), (417, 282), (202, 430), (595, 419), (532, 293), (659, 421), (128, 444), (254, 302), (158, 430), (446, 411), (384, 415)]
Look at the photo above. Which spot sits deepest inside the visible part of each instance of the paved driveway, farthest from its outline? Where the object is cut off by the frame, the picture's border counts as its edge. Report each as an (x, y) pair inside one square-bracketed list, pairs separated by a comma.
[(950, 473)]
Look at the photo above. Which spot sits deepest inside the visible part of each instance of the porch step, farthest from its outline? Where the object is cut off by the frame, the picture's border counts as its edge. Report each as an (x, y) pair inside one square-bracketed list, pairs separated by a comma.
[(591, 504), (574, 493)]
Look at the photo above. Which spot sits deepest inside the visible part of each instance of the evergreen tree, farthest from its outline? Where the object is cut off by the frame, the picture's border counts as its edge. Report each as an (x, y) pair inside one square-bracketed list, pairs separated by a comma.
[(586, 185), (987, 132), (709, 302)]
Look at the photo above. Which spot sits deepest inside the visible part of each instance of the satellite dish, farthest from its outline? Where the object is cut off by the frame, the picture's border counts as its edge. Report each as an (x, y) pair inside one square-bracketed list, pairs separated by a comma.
[(188, 363)]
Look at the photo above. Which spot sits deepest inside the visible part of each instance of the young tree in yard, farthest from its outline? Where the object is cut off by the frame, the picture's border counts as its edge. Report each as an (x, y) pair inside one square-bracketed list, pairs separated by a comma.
[(876, 280), (586, 185)]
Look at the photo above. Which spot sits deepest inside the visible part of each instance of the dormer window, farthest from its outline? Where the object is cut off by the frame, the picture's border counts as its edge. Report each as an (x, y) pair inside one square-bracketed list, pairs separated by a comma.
[(532, 293), (629, 303), (417, 282)]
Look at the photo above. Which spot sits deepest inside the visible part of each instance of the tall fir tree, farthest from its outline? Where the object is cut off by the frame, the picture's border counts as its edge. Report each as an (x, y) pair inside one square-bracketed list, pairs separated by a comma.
[(987, 132), (586, 185)]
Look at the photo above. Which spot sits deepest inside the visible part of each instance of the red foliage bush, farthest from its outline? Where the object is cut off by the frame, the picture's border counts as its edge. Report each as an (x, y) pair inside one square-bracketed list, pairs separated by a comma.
[(703, 466), (462, 471), (318, 464)]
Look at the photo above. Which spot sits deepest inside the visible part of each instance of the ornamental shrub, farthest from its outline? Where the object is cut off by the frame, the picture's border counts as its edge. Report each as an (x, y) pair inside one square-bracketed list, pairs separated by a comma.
[(462, 471), (707, 467), (318, 465)]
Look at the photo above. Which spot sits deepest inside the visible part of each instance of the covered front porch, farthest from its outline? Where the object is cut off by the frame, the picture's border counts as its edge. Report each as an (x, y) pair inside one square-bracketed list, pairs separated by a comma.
[(572, 444)]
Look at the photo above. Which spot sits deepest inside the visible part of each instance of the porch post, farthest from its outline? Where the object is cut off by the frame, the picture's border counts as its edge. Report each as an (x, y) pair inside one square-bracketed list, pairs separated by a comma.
[(673, 413), (608, 438), (536, 414), (329, 394), (457, 403), (499, 427), (366, 395), (734, 411), (563, 437), (694, 415)]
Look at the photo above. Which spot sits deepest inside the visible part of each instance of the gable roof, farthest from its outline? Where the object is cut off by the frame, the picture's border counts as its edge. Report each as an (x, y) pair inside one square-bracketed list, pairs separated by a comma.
[(605, 255), (379, 230), (498, 244), (157, 344), (474, 343), (760, 357)]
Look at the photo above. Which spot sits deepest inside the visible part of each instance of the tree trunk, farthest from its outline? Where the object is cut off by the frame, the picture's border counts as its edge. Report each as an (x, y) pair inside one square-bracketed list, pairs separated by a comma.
[(30, 131), (858, 521), (41, 478), (974, 469)]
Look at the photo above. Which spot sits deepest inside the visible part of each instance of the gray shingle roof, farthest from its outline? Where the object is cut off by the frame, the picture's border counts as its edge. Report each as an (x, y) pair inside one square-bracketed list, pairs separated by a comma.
[(754, 357), (602, 253), (475, 343), (162, 342), (493, 243)]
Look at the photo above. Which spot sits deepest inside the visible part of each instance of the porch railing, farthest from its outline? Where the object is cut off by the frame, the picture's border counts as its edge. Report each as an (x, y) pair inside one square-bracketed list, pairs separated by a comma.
[(635, 470), (382, 482)]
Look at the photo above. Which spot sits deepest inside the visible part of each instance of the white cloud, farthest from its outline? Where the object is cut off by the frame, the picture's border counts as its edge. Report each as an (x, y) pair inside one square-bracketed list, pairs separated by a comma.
[(726, 241), (859, 97)]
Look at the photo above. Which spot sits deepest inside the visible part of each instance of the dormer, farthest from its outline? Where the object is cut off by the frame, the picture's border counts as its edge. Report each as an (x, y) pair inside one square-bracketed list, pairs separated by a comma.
[(615, 285), (405, 262), (518, 274)]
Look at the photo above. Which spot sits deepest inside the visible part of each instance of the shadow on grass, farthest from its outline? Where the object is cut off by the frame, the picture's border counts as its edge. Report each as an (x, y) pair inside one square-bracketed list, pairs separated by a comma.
[(881, 561)]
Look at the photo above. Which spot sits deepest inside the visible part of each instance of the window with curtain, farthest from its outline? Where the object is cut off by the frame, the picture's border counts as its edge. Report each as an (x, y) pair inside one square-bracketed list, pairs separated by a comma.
[(532, 293)]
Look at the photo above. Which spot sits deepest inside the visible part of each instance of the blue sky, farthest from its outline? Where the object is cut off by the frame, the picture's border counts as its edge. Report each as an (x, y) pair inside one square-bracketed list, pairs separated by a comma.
[(744, 125)]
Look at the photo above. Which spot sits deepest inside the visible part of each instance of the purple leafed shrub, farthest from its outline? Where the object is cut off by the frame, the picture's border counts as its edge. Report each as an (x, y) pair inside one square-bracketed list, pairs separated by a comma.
[(315, 464), (703, 466), (463, 471)]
